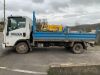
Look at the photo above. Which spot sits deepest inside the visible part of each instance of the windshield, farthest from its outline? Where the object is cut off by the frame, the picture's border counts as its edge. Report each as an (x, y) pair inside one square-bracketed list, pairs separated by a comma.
[(16, 23)]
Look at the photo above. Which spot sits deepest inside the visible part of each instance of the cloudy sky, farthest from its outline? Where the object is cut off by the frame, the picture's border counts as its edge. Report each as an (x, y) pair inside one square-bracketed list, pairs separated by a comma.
[(66, 12)]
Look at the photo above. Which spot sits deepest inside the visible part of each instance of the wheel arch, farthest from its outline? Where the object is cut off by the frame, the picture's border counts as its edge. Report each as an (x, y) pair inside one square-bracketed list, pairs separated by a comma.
[(21, 40), (84, 44), (24, 40)]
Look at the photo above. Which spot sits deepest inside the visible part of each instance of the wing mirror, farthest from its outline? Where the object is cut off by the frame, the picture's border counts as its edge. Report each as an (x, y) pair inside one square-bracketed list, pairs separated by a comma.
[(7, 33)]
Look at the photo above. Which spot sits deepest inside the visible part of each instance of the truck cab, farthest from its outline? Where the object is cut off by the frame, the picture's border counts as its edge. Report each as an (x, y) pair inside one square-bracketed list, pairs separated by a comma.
[(17, 28)]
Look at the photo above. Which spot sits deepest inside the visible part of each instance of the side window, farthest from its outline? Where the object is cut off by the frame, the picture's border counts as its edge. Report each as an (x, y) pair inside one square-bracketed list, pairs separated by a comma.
[(16, 23)]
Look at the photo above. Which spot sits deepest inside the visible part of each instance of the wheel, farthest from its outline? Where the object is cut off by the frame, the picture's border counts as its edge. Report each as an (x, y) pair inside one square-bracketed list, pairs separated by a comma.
[(22, 48), (78, 48)]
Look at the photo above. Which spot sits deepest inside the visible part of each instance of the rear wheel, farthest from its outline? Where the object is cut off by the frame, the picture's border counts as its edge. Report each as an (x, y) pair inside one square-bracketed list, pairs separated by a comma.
[(22, 48), (78, 48)]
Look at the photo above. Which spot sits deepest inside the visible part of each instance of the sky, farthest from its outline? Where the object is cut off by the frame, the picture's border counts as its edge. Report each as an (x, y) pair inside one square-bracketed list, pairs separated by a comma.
[(65, 12)]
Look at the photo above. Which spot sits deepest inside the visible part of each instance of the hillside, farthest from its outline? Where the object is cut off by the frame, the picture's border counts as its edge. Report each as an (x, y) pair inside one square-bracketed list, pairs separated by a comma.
[(86, 27)]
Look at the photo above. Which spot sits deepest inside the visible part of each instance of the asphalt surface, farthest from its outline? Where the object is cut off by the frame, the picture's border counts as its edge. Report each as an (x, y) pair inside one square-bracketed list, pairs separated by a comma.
[(38, 61)]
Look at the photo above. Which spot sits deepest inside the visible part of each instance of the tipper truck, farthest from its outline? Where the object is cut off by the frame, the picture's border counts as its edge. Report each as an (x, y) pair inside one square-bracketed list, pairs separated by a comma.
[(20, 33)]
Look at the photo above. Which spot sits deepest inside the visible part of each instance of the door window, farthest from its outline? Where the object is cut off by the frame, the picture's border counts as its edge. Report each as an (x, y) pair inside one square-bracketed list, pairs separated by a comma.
[(16, 23)]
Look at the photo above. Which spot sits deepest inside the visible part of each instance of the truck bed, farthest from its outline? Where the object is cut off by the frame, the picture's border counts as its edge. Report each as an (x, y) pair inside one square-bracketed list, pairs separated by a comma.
[(64, 36)]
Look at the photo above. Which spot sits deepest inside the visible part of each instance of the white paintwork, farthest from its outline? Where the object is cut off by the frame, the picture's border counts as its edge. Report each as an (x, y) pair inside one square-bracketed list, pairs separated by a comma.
[(10, 40)]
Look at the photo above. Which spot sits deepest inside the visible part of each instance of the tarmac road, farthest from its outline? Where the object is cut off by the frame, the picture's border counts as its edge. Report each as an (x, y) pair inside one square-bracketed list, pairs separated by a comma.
[(38, 61)]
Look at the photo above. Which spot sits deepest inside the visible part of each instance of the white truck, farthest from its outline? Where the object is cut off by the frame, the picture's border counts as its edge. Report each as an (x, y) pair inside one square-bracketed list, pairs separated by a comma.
[(20, 33)]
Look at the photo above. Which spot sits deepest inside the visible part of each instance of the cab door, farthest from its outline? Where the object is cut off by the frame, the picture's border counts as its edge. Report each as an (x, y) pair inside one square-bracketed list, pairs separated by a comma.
[(15, 30)]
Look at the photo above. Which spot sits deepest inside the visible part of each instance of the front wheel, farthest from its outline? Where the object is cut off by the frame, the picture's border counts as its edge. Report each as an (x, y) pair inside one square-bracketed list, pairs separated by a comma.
[(22, 48), (78, 48)]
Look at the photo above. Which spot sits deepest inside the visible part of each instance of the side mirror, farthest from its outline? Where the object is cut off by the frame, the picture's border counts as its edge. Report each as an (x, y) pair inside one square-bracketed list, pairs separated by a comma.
[(7, 33), (8, 29)]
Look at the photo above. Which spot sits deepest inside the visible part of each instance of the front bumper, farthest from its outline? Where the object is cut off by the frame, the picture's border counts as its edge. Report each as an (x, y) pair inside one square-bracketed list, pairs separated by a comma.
[(3, 45)]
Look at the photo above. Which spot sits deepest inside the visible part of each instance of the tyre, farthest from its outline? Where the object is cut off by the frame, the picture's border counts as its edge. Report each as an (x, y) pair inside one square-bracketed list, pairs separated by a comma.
[(22, 48), (78, 48)]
